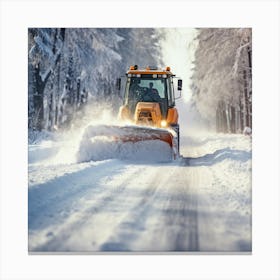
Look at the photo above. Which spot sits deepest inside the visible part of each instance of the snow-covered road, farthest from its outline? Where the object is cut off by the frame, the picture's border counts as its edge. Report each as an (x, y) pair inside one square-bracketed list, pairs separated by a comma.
[(201, 202)]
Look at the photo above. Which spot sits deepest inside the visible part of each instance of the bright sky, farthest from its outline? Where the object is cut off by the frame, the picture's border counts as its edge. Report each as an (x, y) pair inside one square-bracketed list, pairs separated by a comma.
[(178, 53)]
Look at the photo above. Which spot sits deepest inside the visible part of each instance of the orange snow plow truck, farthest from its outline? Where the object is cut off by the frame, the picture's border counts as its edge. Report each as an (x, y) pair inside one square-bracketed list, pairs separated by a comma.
[(149, 106)]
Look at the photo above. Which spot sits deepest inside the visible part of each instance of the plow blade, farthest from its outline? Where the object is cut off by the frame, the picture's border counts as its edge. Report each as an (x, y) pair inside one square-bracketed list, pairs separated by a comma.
[(131, 133), (136, 134)]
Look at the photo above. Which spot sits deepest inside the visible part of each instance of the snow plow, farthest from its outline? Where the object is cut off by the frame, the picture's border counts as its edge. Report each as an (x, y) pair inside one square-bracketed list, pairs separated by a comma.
[(148, 112), (149, 103)]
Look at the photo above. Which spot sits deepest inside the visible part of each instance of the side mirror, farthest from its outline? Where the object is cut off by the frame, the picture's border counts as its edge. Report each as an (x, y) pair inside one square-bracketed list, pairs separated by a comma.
[(118, 84), (180, 84)]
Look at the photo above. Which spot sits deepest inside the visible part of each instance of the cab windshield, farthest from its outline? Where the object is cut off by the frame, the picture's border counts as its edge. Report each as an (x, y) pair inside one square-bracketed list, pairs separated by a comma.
[(146, 89)]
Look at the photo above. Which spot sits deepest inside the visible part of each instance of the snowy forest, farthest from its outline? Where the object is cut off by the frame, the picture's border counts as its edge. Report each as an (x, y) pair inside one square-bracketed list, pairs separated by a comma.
[(69, 69), (222, 78)]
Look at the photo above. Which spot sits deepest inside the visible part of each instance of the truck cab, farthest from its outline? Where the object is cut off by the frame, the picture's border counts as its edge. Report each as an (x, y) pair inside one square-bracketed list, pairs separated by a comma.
[(149, 97)]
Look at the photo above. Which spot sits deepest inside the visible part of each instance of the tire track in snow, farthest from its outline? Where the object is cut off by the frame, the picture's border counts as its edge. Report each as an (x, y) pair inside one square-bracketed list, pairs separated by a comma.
[(164, 219), (180, 225), (134, 223)]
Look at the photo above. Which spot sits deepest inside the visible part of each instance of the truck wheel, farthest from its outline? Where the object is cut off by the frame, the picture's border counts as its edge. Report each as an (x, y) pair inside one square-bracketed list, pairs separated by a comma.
[(176, 128)]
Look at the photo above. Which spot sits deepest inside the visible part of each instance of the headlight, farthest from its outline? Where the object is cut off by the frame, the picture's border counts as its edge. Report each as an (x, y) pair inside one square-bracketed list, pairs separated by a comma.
[(163, 123)]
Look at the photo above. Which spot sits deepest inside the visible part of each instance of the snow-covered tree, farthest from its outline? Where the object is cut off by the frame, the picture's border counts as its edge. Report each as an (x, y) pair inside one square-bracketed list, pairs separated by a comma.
[(222, 80), (70, 66), (45, 48)]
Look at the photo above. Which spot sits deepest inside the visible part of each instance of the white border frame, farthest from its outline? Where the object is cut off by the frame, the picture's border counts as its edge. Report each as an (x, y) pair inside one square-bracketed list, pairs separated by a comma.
[(262, 16)]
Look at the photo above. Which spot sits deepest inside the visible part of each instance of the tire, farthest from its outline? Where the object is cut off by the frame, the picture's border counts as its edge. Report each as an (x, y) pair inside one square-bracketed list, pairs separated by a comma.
[(176, 128)]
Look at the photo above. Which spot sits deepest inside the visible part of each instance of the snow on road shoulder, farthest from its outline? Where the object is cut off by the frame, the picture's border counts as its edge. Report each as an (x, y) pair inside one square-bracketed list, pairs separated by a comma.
[(224, 163), (212, 142)]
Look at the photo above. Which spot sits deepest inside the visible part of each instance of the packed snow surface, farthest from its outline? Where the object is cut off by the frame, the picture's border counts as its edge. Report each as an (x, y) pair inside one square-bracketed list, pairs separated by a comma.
[(200, 202)]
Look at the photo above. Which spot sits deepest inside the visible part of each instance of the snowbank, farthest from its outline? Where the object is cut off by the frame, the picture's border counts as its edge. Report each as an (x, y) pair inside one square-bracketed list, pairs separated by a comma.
[(98, 143), (36, 137)]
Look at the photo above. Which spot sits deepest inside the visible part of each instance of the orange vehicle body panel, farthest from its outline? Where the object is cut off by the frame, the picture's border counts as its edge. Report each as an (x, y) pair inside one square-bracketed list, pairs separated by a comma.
[(172, 116), (148, 113)]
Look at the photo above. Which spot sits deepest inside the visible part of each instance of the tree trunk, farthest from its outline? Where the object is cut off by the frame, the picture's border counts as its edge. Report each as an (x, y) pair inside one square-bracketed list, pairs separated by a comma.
[(241, 112), (246, 99), (249, 51), (232, 120), (38, 99)]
